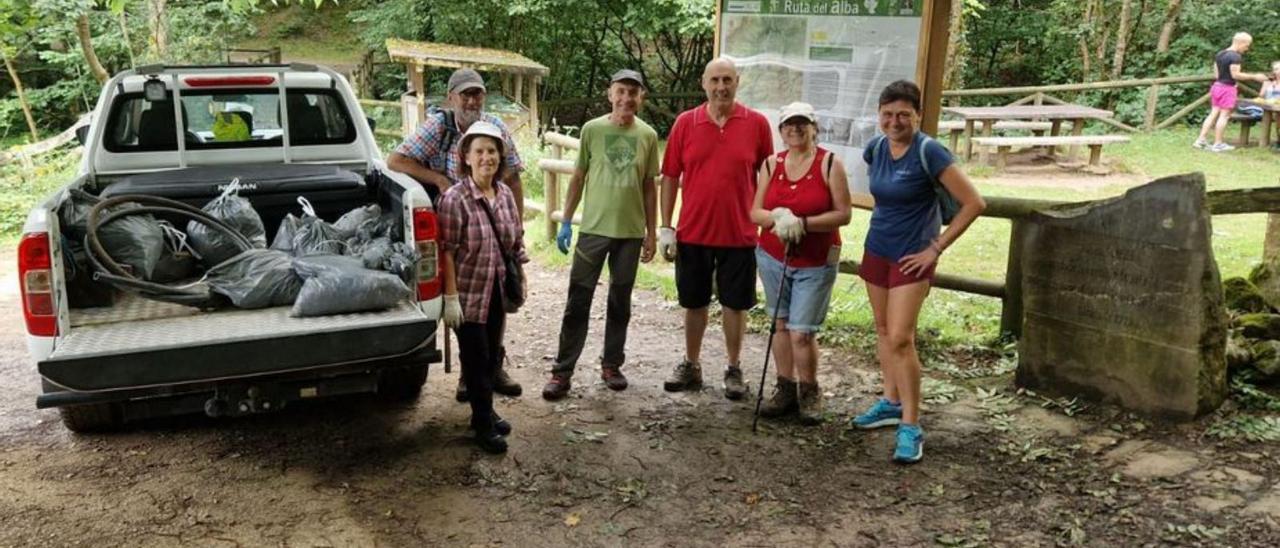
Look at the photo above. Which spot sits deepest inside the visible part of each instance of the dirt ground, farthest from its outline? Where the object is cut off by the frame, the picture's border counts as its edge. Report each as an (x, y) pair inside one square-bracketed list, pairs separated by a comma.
[(639, 468)]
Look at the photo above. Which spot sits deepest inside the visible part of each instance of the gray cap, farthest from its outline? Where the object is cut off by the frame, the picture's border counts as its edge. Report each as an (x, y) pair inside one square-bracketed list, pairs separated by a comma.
[(464, 79), (627, 75)]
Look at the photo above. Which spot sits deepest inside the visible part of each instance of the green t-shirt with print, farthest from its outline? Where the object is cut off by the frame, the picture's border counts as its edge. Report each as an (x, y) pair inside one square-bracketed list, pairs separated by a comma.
[(616, 160)]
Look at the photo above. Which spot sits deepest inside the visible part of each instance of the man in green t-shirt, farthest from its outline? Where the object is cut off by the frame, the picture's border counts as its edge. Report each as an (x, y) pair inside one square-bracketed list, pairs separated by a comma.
[(614, 178)]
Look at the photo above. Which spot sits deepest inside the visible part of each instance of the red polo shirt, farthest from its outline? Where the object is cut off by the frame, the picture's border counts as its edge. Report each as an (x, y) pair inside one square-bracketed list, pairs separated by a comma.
[(717, 171)]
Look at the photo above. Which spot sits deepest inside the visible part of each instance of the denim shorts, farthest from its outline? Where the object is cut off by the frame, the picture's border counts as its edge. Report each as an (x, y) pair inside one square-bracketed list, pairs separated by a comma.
[(806, 296)]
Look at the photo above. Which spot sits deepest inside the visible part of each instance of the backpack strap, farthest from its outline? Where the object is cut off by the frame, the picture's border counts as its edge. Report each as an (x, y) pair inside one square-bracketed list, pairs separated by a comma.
[(924, 159), (828, 161)]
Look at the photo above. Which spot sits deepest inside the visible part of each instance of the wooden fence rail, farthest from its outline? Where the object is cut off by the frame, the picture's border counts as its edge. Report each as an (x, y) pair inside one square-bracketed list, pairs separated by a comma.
[(1040, 94), (25, 153)]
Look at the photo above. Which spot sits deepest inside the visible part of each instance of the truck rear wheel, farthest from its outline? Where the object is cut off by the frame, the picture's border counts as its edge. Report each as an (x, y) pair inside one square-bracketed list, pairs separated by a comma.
[(402, 383), (93, 417)]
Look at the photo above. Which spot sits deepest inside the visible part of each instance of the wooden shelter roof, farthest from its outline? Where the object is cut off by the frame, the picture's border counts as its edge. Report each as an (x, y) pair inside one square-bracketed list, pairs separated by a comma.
[(451, 56)]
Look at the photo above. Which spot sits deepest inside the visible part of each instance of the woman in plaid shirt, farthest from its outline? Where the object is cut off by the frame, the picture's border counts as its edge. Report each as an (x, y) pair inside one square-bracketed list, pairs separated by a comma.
[(473, 271)]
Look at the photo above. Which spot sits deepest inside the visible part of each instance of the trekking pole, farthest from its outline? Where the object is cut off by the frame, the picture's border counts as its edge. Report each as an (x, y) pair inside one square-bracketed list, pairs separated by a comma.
[(773, 330)]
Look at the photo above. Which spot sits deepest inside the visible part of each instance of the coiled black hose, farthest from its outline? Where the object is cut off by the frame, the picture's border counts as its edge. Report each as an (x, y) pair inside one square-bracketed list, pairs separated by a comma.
[(109, 271)]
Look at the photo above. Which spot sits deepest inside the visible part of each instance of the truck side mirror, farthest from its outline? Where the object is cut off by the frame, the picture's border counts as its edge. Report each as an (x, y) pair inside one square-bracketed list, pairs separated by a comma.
[(82, 134), (373, 124)]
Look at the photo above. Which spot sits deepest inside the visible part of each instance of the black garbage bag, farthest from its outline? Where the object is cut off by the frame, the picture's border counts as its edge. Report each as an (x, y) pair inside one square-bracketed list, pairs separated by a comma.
[(374, 254), (257, 278), (317, 237), (215, 247), (178, 262), (284, 235), (352, 220), (338, 285), (387, 225), (73, 214), (135, 242)]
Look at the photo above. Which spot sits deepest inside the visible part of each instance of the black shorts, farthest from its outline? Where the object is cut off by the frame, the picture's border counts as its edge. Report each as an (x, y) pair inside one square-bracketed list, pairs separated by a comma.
[(732, 268)]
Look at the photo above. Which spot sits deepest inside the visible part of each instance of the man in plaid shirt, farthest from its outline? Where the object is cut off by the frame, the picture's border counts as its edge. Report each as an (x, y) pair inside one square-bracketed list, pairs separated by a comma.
[(431, 157)]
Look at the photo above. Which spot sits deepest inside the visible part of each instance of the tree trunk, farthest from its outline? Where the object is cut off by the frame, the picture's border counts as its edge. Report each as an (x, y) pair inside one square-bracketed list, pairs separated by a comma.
[(1086, 61), (158, 23), (22, 97), (86, 44), (957, 50), (1122, 39), (1170, 22), (128, 44)]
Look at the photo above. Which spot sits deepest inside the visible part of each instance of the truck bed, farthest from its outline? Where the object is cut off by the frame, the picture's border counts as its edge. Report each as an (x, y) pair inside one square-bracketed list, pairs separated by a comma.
[(140, 343)]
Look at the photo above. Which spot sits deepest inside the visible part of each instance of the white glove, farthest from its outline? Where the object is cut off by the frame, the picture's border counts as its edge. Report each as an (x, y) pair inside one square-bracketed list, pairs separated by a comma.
[(786, 226), (667, 243), (452, 311)]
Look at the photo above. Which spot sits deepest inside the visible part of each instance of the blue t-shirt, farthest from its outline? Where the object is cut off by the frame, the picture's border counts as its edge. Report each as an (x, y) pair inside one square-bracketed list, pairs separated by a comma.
[(906, 216)]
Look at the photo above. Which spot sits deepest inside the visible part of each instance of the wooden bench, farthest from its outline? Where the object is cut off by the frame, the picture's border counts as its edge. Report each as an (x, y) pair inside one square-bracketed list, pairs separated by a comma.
[(955, 128), (1004, 144)]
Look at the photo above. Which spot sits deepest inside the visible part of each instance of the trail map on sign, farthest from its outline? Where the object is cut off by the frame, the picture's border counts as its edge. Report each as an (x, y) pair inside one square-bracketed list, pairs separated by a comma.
[(834, 54)]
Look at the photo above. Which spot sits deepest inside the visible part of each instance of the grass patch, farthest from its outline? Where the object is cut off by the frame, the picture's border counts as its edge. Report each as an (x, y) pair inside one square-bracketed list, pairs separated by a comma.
[(319, 35), (22, 188)]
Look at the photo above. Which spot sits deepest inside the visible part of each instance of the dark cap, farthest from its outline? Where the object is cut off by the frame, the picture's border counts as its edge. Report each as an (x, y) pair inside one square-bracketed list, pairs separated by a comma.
[(464, 79), (627, 75)]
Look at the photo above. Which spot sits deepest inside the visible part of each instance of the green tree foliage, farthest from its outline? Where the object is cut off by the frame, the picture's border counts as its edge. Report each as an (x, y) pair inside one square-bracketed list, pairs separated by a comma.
[(581, 41)]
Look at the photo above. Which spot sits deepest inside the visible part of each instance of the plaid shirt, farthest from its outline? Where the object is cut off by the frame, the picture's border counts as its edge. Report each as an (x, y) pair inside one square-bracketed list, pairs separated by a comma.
[(424, 146), (465, 231)]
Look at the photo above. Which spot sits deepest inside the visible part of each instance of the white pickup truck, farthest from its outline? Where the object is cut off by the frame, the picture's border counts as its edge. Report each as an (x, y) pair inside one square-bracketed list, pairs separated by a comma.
[(108, 356)]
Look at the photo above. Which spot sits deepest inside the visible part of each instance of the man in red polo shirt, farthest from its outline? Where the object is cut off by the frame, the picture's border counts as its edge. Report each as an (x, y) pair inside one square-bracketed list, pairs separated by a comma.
[(712, 156)]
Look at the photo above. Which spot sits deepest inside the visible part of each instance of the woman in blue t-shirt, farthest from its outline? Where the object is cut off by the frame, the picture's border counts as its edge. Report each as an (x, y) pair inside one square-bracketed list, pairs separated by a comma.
[(902, 248)]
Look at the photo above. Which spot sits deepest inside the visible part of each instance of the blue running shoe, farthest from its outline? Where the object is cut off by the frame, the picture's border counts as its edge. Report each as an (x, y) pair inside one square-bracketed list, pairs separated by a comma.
[(910, 444), (881, 414)]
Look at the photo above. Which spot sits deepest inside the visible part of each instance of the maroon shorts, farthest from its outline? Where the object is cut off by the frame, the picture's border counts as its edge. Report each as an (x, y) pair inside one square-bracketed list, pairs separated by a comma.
[(882, 272)]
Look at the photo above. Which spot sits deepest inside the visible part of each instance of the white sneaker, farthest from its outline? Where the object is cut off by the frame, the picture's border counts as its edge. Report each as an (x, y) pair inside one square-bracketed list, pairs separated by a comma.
[(1200, 143), (1221, 147)]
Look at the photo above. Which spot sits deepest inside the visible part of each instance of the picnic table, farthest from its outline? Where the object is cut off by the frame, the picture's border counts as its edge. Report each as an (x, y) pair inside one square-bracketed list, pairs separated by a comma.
[(1270, 118), (1056, 114)]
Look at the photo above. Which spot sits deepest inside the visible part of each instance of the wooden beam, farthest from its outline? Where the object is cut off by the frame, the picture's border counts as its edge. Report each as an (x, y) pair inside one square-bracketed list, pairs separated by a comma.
[(1022, 90), (534, 121), (553, 138), (931, 56)]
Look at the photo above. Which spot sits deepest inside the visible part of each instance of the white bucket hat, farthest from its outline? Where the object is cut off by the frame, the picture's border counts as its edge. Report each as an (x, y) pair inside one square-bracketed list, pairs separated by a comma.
[(797, 109)]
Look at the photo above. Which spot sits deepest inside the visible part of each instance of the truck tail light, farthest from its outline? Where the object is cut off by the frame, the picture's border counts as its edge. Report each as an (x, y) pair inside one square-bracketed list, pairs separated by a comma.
[(426, 238), (36, 278)]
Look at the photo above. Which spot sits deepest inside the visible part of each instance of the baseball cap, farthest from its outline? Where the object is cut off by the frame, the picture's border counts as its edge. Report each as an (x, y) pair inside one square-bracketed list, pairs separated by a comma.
[(797, 109), (464, 79), (627, 74)]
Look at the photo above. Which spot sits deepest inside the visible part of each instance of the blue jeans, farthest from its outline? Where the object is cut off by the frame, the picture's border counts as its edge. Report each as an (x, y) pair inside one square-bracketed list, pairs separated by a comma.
[(806, 297)]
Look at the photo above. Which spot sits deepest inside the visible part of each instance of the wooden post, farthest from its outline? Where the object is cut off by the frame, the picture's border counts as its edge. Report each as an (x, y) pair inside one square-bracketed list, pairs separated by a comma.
[(418, 82), (1011, 308), (931, 56), (968, 139), (984, 152), (519, 94), (534, 121), (1153, 96), (551, 190)]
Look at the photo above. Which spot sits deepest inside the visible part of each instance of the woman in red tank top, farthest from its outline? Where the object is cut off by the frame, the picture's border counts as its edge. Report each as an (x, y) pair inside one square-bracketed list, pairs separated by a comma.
[(802, 200)]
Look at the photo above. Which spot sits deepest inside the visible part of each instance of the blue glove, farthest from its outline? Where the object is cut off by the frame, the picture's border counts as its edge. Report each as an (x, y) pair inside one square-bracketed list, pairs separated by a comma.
[(565, 238)]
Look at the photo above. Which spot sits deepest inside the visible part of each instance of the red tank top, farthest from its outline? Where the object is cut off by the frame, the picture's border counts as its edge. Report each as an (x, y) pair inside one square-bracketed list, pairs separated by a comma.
[(805, 197)]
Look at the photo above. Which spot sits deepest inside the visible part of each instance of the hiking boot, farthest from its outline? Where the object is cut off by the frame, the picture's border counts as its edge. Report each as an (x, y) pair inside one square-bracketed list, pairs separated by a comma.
[(502, 384), (461, 393), (734, 387), (910, 448), (557, 387), (491, 442), (687, 376), (613, 377), (882, 413), (783, 400), (501, 426), (809, 400)]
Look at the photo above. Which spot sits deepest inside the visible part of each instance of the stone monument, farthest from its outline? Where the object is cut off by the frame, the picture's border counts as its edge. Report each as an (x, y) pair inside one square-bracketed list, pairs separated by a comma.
[(1122, 301)]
